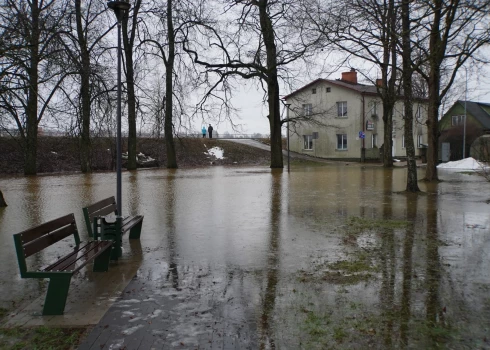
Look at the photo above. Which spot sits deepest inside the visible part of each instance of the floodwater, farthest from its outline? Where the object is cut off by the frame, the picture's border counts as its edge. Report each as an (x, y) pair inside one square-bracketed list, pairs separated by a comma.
[(333, 256)]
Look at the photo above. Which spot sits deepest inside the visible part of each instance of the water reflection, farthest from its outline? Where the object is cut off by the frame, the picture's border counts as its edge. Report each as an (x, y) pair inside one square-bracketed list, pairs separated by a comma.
[(278, 260), (169, 214), (273, 261)]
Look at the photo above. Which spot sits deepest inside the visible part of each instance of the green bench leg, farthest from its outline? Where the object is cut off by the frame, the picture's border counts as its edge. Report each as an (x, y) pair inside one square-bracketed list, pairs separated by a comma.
[(101, 263), (135, 231), (55, 301)]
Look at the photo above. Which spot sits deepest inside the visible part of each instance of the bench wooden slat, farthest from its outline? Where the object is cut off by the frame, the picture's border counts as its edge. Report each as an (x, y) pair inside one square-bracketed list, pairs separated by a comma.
[(101, 204), (103, 211), (38, 231), (79, 257), (130, 221), (48, 239)]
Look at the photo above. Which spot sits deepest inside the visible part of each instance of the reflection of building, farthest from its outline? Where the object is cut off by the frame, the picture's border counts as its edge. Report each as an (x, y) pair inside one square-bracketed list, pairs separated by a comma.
[(452, 126), (342, 111)]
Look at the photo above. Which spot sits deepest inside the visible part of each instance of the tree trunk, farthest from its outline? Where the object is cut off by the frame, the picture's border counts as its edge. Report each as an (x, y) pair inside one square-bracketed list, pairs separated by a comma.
[(434, 82), (2, 200), (84, 69), (169, 70), (272, 85), (30, 166), (407, 73), (128, 40)]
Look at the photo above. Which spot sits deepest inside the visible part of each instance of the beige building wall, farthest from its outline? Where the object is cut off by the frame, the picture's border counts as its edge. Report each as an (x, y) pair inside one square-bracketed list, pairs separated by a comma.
[(326, 124)]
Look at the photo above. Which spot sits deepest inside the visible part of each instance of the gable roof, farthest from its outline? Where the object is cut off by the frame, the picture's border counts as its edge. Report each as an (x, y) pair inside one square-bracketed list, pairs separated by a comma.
[(479, 110), (360, 88)]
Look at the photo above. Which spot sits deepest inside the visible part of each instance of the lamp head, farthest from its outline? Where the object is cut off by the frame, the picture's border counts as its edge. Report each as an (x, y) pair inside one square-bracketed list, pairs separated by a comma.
[(119, 8)]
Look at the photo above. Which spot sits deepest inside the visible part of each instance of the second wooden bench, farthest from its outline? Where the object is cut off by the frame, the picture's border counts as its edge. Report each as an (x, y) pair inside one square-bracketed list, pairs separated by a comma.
[(99, 225)]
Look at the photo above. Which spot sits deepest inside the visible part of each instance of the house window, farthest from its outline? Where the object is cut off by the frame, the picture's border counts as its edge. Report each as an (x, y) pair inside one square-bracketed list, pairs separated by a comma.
[(313, 91), (374, 140), (420, 141), (307, 108), (403, 141), (341, 141), (342, 109), (457, 120), (329, 89), (308, 142), (418, 114)]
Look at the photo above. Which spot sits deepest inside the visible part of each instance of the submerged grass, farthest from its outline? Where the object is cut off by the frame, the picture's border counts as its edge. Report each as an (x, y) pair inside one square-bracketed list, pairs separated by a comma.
[(40, 338), (359, 224)]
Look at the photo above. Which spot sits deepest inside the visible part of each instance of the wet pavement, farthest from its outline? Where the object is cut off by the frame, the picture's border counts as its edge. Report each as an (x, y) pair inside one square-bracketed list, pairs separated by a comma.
[(331, 256)]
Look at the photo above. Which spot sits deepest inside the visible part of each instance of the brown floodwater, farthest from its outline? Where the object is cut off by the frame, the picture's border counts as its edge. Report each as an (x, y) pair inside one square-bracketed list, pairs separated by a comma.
[(333, 256)]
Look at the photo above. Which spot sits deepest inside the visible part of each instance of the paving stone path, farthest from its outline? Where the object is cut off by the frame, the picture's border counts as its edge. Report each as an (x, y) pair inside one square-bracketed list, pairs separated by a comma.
[(188, 309)]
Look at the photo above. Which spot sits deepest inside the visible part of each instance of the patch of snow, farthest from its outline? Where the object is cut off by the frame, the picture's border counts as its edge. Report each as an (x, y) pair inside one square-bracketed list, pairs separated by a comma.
[(53, 152), (131, 330), (396, 160), (463, 164), (217, 152)]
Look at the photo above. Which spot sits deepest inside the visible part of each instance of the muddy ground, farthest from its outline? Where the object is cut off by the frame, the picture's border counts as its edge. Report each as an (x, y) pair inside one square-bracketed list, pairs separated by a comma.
[(61, 154)]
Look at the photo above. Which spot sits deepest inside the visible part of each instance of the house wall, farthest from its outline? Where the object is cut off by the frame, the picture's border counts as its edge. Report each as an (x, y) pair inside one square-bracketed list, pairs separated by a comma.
[(326, 122), (446, 121)]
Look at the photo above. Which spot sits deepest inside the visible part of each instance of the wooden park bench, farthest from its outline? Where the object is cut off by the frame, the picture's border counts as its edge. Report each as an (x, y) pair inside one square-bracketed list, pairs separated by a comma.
[(34, 240), (103, 221)]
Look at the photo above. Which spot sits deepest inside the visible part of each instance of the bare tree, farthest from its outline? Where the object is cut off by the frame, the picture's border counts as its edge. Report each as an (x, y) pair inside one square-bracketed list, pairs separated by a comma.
[(31, 77), (407, 77), (255, 41), (451, 33), (129, 30), (365, 30)]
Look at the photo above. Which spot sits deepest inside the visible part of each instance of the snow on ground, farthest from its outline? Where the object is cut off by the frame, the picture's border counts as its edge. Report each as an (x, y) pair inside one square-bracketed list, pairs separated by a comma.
[(463, 164), (217, 152)]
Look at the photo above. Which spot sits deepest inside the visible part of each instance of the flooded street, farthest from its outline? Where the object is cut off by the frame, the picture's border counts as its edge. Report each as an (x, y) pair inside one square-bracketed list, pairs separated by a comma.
[(332, 256)]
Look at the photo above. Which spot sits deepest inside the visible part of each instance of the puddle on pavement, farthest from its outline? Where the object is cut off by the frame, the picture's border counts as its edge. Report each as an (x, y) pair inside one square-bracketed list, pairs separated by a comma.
[(324, 257)]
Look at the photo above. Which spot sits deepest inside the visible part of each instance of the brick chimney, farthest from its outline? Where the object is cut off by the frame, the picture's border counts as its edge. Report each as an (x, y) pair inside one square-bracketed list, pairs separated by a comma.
[(350, 77), (379, 82)]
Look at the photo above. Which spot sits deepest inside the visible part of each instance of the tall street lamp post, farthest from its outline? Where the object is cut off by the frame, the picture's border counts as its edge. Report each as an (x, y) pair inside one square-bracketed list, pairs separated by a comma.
[(465, 112), (287, 116), (120, 8)]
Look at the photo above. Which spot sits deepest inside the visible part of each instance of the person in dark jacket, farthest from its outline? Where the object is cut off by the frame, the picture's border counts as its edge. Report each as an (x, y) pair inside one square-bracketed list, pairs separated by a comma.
[(210, 131)]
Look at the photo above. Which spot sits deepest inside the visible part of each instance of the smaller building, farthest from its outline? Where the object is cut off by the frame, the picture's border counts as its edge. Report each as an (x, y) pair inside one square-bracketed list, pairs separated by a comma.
[(465, 120), (342, 119)]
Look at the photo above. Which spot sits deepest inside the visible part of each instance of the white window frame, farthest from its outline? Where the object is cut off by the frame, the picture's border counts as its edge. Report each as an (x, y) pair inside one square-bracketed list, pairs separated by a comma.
[(459, 120), (420, 140), (328, 89), (342, 109), (313, 91), (374, 140), (308, 142), (343, 142), (307, 109)]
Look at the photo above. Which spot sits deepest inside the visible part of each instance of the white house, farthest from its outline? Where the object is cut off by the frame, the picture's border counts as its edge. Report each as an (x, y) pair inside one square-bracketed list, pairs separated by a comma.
[(345, 117)]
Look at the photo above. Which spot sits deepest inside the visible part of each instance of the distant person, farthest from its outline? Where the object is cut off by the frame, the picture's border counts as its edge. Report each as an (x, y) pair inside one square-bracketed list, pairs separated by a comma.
[(203, 132), (210, 131)]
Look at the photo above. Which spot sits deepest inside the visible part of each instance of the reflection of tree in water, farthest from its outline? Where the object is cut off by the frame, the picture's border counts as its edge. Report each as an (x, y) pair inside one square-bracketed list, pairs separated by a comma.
[(266, 338), (388, 262), (133, 194), (173, 272), (433, 271), (411, 203)]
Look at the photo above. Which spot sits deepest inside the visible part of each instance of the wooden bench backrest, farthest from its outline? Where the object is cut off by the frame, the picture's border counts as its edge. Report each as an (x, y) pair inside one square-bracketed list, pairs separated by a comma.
[(102, 208), (35, 239)]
